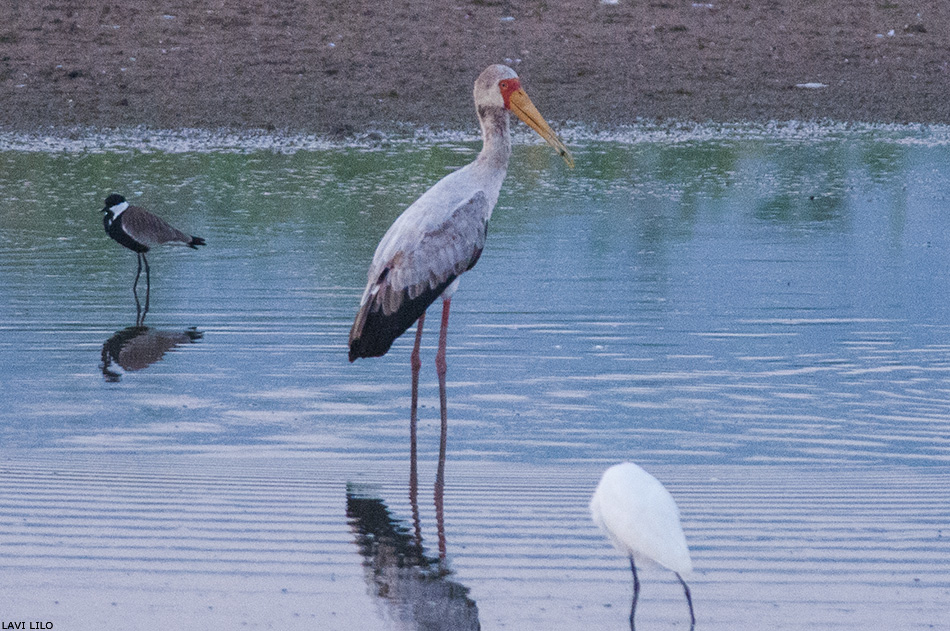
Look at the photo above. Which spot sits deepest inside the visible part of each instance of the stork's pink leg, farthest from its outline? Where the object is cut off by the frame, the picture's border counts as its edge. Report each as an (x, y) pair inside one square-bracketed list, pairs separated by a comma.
[(415, 363), (440, 367)]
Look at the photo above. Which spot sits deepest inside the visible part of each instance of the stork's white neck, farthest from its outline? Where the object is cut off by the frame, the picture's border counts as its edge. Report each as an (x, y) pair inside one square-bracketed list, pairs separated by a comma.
[(118, 209), (496, 138)]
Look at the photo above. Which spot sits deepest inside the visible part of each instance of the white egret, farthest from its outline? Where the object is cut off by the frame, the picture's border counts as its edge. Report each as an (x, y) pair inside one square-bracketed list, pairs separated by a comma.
[(639, 516)]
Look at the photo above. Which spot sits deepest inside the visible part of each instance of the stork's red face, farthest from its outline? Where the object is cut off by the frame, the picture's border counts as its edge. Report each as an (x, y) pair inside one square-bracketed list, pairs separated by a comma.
[(507, 87), (516, 100)]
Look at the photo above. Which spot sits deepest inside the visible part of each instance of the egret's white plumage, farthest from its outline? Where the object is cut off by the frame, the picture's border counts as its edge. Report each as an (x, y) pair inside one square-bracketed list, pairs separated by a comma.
[(639, 516)]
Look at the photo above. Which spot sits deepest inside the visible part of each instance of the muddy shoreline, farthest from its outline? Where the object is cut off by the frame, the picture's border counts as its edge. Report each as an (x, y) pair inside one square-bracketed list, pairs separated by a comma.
[(347, 67)]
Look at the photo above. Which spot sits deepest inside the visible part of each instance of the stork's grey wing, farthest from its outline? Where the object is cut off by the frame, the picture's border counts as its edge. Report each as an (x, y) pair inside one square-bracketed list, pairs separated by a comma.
[(417, 268), (437, 256), (150, 229)]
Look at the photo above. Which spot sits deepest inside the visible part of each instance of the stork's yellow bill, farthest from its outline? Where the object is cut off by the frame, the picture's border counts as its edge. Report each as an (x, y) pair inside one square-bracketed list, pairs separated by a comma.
[(517, 100)]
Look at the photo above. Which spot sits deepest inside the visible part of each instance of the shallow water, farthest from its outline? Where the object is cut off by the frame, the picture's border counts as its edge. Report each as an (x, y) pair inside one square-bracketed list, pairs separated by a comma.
[(757, 316)]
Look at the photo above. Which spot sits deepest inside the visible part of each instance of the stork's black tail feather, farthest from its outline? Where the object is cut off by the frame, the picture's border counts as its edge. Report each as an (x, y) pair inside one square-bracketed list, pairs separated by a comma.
[(373, 332)]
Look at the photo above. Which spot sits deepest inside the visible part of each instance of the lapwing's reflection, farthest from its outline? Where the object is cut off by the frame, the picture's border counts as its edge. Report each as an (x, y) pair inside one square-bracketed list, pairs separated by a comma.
[(138, 347), (141, 312)]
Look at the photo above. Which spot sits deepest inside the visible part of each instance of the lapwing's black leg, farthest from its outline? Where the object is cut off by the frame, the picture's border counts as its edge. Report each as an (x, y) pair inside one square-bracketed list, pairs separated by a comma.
[(135, 293), (148, 287), (138, 273)]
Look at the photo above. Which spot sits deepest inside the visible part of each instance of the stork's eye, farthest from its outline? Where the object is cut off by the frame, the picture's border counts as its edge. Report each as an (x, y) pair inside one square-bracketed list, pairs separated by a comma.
[(503, 85)]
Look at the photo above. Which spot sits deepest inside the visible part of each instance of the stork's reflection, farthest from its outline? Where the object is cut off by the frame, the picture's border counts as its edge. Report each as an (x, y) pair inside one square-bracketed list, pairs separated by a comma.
[(415, 586), (138, 347)]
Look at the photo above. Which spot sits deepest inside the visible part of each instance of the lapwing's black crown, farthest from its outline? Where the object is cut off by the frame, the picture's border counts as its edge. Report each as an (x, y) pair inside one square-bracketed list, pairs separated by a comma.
[(114, 199)]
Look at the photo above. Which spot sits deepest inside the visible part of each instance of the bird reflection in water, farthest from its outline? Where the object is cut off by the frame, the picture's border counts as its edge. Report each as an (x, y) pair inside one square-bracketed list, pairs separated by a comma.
[(138, 347), (141, 312), (414, 586)]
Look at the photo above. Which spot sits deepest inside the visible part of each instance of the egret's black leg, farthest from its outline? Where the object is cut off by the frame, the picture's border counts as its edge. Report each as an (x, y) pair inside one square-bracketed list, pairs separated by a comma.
[(636, 593), (689, 601)]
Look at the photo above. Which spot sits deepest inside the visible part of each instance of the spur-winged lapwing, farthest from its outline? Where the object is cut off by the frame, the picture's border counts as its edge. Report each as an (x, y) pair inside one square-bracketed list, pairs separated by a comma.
[(139, 230)]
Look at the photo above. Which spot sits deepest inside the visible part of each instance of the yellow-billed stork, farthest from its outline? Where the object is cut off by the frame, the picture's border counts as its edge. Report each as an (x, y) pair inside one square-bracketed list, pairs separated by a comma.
[(441, 235)]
